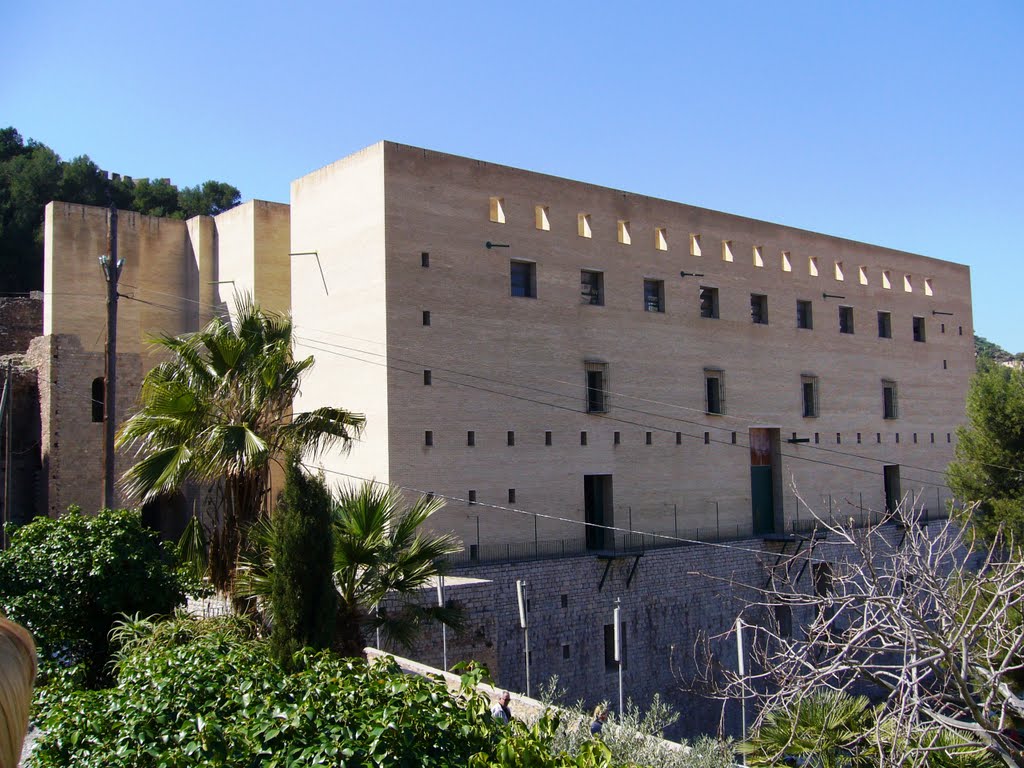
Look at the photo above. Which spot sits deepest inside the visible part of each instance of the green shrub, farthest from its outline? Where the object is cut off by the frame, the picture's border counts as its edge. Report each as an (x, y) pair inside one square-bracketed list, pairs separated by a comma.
[(69, 579)]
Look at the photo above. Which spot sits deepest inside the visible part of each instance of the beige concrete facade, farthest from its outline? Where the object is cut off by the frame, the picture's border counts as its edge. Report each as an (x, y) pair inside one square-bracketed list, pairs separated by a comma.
[(177, 275), (502, 364)]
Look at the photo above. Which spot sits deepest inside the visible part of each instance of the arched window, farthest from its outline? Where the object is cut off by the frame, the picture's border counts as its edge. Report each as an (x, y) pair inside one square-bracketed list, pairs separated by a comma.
[(99, 398)]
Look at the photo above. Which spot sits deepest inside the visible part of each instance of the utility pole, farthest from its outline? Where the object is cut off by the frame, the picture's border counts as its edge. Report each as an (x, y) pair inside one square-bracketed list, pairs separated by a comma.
[(5, 411), (112, 271)]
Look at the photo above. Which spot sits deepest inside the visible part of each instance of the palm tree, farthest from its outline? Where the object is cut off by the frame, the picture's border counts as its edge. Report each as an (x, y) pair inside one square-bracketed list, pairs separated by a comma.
[(826, 729), (380, 552), (218, 412)]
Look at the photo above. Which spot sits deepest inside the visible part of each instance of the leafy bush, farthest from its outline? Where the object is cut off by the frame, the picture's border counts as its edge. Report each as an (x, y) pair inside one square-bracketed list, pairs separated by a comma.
[(199, 693), (69, 579)]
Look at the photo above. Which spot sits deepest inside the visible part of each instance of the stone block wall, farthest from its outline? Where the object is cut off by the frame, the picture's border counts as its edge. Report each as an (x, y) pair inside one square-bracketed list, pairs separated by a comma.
[(21, 320)]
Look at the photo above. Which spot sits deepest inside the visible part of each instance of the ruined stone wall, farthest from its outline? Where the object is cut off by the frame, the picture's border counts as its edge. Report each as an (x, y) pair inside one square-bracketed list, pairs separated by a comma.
[(21, 320)]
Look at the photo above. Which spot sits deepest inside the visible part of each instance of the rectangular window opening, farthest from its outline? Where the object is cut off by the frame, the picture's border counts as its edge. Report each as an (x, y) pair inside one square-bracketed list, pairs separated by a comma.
[(714, 391), (707, 438), (734, 438), (661, 238), (759, 309), (727, 250), (523, 279), (591, 287), (426, 317), (908, 284), (804, 314), (654, 295), (616, 438), (649, 438), (708, 302), (846, 320), (583, 438), (884, 325), (890, 404), (928, 291), (424, 259), (758, 255), (511, 495), (540, 218), (887, 279), (547, 438), (498, 210), (812, 266), (787, 262), (809, 396), (695, 245), (427, 378), (471, 438), (858, 438), (597, 387), (583, 225), (862, 275), (623, 230), (511, 437), (679, 438), (839, 274), (918, 328), (428, 437), (471, 496)]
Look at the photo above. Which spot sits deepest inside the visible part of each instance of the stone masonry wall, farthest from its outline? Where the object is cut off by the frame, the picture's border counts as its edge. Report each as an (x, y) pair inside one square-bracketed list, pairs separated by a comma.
[(21, 320)]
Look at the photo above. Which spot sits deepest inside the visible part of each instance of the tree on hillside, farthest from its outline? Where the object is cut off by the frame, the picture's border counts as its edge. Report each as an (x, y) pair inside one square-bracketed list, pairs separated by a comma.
[(32, 174), (989, 464), (218, 412)]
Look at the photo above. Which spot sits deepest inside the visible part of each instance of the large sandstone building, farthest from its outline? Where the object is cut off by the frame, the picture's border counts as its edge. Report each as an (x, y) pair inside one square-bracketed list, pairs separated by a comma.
[(597, 381)]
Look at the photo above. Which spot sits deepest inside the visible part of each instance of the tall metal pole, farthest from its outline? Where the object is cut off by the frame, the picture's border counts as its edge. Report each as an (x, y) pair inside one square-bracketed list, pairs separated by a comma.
[(444, 627), (521, 594), (743, 678), (5, 412), (112, 270), (617, 633)]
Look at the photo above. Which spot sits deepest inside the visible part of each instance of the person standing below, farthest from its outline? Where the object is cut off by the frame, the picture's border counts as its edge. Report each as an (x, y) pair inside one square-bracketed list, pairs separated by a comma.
[(17, 673), (500, 710), (600, 715)]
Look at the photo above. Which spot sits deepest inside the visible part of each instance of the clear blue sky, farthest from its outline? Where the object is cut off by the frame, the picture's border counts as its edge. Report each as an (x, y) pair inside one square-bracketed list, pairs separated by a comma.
[(897, 123)]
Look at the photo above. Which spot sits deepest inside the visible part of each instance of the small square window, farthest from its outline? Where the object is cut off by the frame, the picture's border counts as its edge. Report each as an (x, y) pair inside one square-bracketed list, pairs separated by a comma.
[(591, 287), (426, 317), (758, 309), (890, 404), (510, 438), (498, 210), (524, 279), (884, 325), (654, 295), (424, 259), (661, 238), (846, 320), (583, 225), (597, 387), (547, 438), (427, 378), (540, 217), (708, 302), (623, 231), (918, 328), (714, 391), (695, 245), (471, 438), (809, 396), (804, 314), (727, 250)]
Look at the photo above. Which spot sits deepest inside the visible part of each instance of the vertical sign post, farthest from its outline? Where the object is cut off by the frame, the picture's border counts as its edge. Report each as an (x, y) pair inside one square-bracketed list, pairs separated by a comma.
[(617, 633), (521, 593), (444, 628)]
